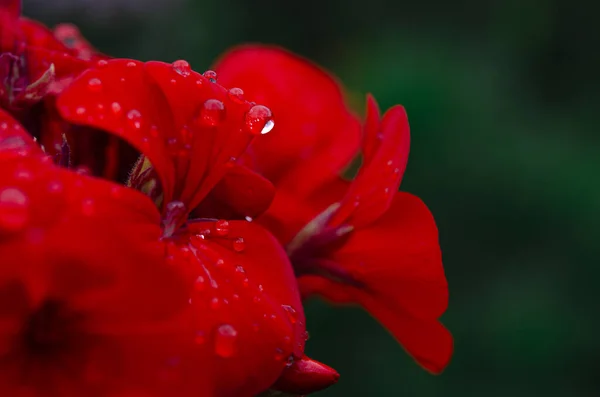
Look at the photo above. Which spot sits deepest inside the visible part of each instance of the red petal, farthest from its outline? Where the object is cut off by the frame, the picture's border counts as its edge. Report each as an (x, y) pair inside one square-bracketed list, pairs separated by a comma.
[(160, 112), (305, 376), (12, 7), (242, 281), (315, 135), (14, 140), (386, 156), (398, 260), (241, 193)]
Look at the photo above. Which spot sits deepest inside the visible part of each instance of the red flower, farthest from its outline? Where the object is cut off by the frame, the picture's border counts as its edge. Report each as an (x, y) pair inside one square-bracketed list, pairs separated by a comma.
[(36, 64), (359, 242), (191, 130)]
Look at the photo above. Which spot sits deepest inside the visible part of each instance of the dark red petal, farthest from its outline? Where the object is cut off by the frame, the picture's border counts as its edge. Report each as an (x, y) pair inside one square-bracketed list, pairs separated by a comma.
[(241, 193), (398, 260), (372, 191), (248, 315), (93, 247), (305, 376), (12, 7), (315, 135)]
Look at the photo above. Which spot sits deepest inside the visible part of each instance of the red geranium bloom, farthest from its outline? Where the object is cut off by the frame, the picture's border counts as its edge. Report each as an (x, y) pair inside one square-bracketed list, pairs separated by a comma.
[(361, 242), (114, 298)]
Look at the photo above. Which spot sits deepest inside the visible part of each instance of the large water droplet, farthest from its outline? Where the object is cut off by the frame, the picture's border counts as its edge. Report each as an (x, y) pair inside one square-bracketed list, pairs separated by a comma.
[(236, 95), (210, 75), (211, 113), (222, 227), (259, 120), (239, 244), (95, 84), (182, 67), (134, 119), (14, 209), (225, 341)]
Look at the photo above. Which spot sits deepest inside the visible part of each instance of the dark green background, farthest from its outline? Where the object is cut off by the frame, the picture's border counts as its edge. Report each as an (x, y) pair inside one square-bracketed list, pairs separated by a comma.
[(503, 100)]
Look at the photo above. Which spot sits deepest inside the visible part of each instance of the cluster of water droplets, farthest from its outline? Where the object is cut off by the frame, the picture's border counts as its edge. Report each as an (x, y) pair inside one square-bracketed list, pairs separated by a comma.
[(258, 120)]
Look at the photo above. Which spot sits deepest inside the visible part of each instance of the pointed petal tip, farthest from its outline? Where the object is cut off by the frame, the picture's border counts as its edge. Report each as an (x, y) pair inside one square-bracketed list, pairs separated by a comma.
[(306, 376)]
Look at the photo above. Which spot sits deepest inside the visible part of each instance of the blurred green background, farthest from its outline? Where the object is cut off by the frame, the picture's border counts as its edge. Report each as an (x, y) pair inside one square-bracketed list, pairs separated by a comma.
[(503, 99)]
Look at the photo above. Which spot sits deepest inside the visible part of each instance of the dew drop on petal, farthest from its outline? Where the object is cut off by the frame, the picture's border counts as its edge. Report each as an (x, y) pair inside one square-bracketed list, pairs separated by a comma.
[(215, 303), (80, 110), (200, 284), (239, 244), (210, 75), (291, 313), (95, 84), (101, 63), (182, 67), (225, 341), (259, 120), (134, 119), (131, 64), (211, 113), (115, 107), (221, 227), (236, 95), (14, 209)]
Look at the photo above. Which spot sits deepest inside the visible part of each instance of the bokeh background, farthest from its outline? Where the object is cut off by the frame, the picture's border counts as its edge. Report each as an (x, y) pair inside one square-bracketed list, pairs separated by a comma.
[(503, 101)]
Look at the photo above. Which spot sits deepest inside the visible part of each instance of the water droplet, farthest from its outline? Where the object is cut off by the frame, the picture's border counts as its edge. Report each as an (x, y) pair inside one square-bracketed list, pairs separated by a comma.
[(306, 336), (14, 209), (240, 270), (219, 262), (55, 187), (131, 64), (134, 119), (83, 170), (238, 244), (80, 110), (116, 108), (222, 227), (215, 303), (225, 341), (259, 120), (182, 67), (249, 219), (210, 75), (200, 284), (101, 63), (95, 84), (236, 95), (211, 113), (291, 313)]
